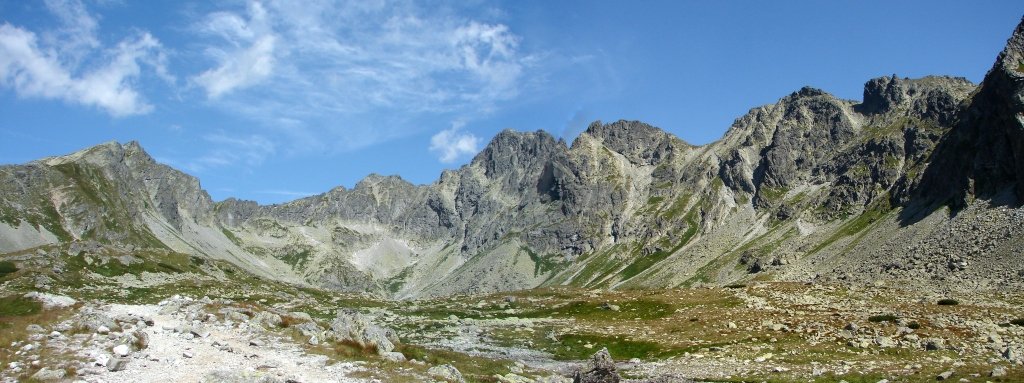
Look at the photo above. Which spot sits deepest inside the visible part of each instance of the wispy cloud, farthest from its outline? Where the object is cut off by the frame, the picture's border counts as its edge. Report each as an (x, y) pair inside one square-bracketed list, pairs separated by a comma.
[(350, 74), (451, 144), (286, 193), (246, 151), (248, 57), (53, 65)]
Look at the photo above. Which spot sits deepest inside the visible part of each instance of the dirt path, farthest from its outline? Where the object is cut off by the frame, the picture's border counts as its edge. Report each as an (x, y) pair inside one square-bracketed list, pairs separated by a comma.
[(227, 354)]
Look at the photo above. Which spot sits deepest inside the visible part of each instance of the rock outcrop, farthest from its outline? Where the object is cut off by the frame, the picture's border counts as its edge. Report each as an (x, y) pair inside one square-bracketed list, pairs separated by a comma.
[(599, 369)]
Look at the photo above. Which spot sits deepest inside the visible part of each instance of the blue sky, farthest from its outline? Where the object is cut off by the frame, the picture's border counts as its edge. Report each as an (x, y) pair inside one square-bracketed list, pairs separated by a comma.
[(272, 100)]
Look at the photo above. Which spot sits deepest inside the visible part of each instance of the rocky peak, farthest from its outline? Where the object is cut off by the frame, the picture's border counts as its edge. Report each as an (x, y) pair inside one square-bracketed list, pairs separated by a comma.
[(102, 155), (933, 98), (639, 142), (807, 92), (1011, 59), (374, 181), (511, 149), (622, 130), (883, 94)]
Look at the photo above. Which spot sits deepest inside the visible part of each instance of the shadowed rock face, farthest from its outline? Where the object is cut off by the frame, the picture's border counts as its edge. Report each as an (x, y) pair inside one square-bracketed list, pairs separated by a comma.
[(803, 187), (984, 153)]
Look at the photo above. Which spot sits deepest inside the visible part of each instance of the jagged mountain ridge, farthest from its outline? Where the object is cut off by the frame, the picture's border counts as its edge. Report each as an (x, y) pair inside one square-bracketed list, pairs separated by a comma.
[(809, 187)]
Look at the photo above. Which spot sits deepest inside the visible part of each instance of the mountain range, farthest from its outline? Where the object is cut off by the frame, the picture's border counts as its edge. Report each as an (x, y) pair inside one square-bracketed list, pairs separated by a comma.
[(918, 184)]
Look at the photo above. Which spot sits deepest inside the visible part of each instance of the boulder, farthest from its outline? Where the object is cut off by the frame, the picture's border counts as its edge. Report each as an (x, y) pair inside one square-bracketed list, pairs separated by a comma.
[(351, 326), (117, 364), (52, 301), (94, 321), (310, 330), (122, 350), (300, 316), (446, 372), (47, 374), (267, 319), (600, 369)]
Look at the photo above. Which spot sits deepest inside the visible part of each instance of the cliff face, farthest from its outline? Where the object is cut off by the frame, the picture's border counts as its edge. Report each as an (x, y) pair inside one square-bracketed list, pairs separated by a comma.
[(984, 154), (809, 187)]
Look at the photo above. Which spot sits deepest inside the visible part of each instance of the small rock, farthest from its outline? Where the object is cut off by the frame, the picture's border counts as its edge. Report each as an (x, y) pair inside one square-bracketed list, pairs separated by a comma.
[(393, 356), (885, 342), (188, 354), (944, 375), (117, 364), (34, 328), (49, 375), (122, 350), (998, 371), (301, 316), (140, 339), (1010, 354), (103, 330), (200, 332), (268, 319), (256, 343)]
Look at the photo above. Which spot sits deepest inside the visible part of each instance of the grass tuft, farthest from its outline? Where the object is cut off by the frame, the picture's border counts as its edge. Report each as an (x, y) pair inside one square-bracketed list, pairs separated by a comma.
[(882, 318), (7, 267), (15, 306)]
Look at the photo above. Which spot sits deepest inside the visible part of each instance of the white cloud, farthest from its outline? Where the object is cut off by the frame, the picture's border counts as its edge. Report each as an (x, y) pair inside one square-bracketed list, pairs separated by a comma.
[(230, 151), (286, 193), (51, 67), (249, 57), (356, 73), (451, 144)]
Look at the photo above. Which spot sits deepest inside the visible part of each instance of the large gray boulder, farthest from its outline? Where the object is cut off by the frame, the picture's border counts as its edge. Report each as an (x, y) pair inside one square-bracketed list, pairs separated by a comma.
[(599, 369), (352, 326), (447, 373)]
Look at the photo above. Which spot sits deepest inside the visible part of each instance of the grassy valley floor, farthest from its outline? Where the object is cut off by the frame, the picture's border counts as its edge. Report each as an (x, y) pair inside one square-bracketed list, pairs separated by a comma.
[(765, 331)]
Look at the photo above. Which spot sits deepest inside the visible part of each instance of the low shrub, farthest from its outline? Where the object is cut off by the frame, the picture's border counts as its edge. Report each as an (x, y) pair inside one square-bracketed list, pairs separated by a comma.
[(7, 267), (882, 318)]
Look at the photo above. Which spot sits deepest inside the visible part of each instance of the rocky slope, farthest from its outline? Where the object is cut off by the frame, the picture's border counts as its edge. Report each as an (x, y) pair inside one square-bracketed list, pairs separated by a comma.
[(917, 183)]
